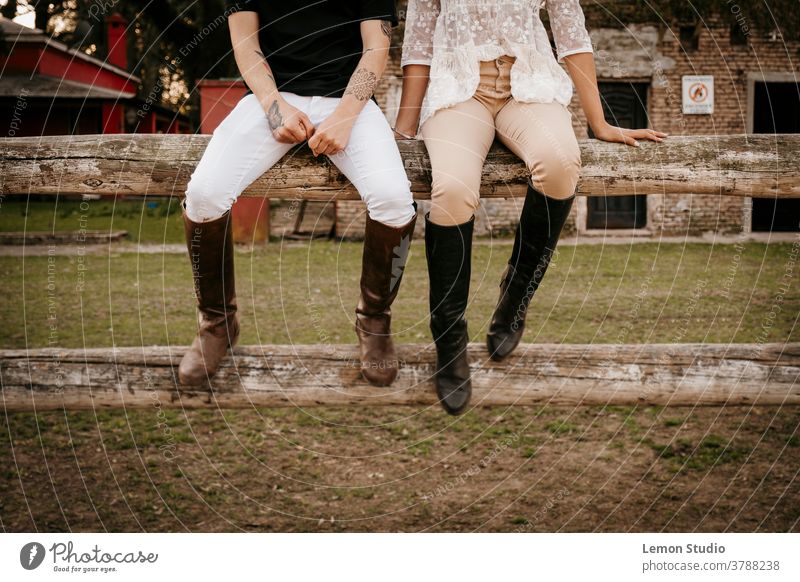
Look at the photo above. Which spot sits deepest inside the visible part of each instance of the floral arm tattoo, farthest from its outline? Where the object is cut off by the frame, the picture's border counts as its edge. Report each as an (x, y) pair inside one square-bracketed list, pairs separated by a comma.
[(274, 117), (362, 84)]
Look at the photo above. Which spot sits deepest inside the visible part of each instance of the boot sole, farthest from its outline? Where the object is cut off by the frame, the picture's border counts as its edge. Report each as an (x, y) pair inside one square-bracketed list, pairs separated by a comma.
[(497, 357), (378, 383), (206, 377)]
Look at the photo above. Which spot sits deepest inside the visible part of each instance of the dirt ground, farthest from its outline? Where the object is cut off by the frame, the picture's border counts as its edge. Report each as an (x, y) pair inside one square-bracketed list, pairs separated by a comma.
[(404, 469)]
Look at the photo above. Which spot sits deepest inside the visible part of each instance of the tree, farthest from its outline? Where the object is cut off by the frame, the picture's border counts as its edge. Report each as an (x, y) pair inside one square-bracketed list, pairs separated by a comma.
[(10, 9), (172, 43), (175, 43), (761, 15)]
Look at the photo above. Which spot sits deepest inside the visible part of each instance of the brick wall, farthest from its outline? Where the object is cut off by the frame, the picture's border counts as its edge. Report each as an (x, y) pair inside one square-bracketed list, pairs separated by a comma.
[(732, 66), (646, 53)]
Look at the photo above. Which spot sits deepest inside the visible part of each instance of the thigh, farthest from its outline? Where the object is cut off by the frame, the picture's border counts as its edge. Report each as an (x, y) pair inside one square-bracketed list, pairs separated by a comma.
[(240, 150), (372, 162), (541, 135), (458, 139)]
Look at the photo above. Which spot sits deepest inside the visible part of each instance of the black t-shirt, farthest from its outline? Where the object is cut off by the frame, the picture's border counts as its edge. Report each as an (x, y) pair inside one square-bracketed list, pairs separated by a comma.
[(313, 46)]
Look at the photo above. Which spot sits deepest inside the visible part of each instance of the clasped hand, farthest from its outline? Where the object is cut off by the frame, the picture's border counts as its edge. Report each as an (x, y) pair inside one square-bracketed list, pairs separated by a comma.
[(290, 125)]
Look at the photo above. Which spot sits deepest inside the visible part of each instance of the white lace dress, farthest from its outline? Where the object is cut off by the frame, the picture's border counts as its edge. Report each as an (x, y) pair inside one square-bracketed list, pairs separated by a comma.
[(453, 36)]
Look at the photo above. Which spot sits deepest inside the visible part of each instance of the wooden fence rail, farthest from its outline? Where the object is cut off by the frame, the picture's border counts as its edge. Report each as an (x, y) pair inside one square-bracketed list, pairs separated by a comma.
[(662, 374), (307, 375), (730, 165)]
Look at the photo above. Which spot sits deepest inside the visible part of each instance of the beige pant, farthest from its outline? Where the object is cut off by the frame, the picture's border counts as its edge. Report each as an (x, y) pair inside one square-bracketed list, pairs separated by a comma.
[(459, 137)]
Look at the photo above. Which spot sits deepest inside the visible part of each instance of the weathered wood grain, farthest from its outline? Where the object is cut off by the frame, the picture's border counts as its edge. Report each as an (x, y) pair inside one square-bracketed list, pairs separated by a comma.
[(311, 375), (731, 165)]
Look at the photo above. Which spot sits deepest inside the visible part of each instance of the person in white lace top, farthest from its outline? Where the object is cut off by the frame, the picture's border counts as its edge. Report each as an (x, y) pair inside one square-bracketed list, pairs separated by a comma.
[(474, 70), (466, 32)]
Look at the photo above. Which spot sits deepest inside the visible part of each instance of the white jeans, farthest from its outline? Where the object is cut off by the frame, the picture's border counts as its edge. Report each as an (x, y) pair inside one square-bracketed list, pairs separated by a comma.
[(242, 148)]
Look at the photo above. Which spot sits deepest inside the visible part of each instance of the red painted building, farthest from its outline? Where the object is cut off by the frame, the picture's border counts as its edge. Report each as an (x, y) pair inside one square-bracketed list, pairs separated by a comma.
[(48, 88), (250, 215)]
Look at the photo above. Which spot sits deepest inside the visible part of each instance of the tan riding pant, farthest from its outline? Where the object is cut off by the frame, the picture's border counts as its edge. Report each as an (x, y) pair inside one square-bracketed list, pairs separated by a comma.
[(459, 137)]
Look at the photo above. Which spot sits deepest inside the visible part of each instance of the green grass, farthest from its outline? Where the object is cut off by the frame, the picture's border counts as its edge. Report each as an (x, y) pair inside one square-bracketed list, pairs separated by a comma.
[(147, 221), (519, 520), (712, 450), (561, 427), (306, 293), (121, 432)]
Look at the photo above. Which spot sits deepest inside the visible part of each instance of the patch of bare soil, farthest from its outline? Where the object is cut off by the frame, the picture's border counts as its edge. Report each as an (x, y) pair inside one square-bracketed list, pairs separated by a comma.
[(403, 469)]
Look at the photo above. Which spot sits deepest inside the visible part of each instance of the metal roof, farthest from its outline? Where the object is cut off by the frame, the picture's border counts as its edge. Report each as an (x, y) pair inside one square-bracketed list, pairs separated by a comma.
[(15, 33), (53, 87)]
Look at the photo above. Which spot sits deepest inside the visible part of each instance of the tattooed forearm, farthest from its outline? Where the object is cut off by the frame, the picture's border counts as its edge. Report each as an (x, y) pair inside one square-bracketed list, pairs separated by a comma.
[(274, 117), (386, 27), (362, 84), (266, 66)]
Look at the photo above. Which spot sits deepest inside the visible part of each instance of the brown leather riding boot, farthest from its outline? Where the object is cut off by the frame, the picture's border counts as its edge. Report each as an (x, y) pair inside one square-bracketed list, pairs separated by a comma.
[(210, 247), (385, 253)]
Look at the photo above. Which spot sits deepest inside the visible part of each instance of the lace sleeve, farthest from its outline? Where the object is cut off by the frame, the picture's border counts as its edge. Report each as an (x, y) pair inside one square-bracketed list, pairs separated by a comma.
[(569, 27), (420, 23)]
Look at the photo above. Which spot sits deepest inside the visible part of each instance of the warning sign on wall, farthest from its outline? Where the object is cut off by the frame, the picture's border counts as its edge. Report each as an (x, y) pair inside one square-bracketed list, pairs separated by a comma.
[(698, 94)]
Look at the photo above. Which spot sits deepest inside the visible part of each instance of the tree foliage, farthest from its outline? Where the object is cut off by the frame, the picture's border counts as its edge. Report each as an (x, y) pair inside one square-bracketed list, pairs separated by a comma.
[(758, 15), (175, 43), (172, 45)]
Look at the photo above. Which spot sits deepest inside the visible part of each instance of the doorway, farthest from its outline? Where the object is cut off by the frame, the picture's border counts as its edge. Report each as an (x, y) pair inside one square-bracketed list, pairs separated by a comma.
[(776, 109), (625, 105)]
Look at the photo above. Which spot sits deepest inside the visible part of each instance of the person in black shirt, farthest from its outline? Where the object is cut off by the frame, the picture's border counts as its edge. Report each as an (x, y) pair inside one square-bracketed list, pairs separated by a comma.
[(313, 48), (311, 68)]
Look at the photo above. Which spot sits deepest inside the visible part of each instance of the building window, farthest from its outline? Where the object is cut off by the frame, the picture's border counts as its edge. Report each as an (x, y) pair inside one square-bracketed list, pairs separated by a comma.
[(689, 36), (738, 36)]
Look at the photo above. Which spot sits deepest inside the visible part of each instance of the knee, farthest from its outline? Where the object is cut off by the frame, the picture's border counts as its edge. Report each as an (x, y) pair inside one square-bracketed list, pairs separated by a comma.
[(392, 206), (555, 173), (204, 202), (454, 199)]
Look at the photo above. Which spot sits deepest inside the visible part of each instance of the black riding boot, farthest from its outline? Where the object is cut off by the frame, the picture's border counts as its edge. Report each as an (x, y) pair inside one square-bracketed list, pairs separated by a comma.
[(537, 235), (449, 253)]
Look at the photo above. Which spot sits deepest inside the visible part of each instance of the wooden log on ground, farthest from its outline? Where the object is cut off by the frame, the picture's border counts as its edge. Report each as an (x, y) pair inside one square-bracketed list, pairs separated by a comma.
[(47, 237), (311, 375), (732, 165)]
